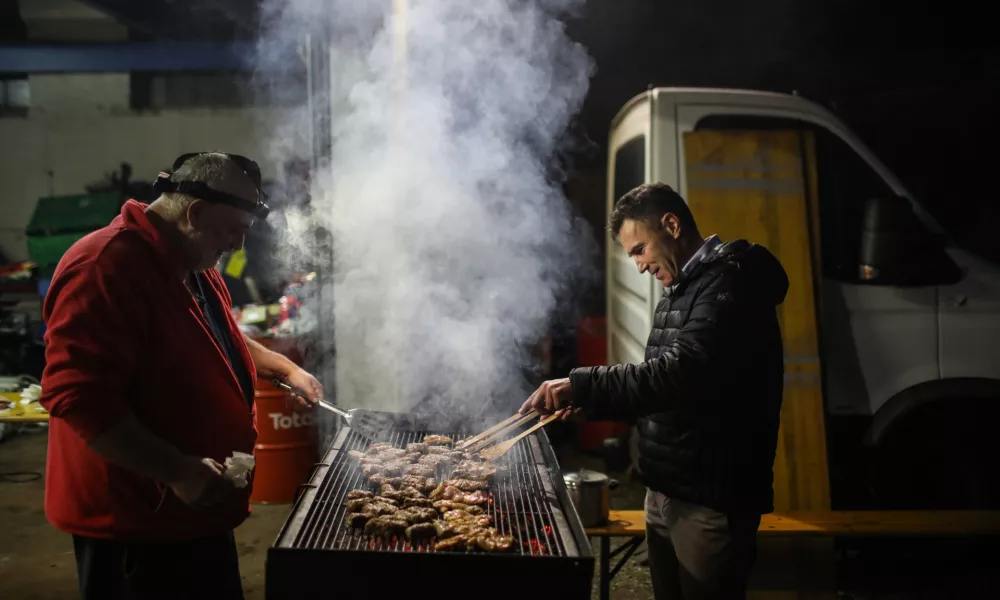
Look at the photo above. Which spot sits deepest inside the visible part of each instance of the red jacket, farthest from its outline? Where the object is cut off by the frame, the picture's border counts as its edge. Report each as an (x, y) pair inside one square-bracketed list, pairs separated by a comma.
[(124, 335)]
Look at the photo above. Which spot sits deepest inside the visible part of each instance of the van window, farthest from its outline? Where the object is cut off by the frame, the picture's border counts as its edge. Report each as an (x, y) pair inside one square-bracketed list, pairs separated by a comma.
[(630, 166), (845, 183)]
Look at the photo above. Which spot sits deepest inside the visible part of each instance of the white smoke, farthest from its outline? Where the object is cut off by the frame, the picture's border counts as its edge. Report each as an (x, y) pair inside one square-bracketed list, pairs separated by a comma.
[(454, 246)]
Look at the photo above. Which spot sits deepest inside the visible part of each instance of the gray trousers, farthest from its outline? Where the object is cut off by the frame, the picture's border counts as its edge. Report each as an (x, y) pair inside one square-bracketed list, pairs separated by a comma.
[(696, 552)]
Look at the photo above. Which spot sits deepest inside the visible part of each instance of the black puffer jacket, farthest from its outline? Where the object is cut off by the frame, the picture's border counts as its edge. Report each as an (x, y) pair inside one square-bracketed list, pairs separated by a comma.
[(708, 396)]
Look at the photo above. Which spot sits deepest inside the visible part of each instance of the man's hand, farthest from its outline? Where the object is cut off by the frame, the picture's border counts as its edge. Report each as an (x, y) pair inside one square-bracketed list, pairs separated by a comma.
[(306, 389), (200, 483), (551, 396), (271, 365)]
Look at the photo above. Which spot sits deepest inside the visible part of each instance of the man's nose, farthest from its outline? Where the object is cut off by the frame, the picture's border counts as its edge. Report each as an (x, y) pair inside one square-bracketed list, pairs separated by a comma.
[(640, 265)]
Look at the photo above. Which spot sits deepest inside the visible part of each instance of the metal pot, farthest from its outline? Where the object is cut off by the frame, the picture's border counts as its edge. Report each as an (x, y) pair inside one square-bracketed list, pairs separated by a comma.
[(589, 492)]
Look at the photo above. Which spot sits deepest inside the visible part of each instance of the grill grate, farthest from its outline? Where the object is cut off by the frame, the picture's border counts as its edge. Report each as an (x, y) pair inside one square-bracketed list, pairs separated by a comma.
[(551, 554), (518, 503)]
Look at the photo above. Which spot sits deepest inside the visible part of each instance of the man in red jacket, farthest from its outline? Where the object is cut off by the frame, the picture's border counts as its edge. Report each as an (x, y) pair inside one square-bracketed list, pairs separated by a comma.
[(150, 386)]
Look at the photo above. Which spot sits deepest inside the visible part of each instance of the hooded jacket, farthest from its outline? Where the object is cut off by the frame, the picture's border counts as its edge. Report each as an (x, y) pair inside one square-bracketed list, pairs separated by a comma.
[(707, 397), (125, 336)]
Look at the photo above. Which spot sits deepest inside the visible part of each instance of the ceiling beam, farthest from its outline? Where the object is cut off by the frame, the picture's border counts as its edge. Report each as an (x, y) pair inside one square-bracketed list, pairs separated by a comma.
[(138, 56), (203, 19)]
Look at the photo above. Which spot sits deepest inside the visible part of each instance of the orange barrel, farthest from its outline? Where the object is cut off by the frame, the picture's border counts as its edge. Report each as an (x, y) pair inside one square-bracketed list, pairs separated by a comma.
[(287, 445)]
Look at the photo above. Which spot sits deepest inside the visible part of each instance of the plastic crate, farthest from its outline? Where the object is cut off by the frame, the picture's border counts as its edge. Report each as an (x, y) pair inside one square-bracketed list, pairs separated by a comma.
[(47, 250), (71, 214), (59, 221)]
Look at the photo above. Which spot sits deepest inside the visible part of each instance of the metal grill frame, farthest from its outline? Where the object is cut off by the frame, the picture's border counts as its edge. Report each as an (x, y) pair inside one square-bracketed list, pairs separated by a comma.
[(294, 571)]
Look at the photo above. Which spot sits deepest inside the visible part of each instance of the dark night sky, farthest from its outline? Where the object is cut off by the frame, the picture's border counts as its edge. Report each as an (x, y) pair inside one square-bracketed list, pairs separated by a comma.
[(920, 86), (919, 83)]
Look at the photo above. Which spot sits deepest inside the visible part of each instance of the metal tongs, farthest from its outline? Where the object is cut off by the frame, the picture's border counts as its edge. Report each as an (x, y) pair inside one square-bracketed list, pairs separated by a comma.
[(480, 442), (367, 424)]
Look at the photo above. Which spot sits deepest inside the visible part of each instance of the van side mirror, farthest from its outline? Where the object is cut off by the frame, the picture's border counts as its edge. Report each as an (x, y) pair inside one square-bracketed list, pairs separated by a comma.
[(896, 249)]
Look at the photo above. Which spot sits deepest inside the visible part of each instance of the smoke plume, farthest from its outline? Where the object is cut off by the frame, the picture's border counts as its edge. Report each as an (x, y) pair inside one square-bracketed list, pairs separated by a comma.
[(453, 245)]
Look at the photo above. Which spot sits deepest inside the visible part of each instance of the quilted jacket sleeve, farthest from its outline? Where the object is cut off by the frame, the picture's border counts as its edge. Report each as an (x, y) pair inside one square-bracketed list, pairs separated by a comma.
[(697, 354)]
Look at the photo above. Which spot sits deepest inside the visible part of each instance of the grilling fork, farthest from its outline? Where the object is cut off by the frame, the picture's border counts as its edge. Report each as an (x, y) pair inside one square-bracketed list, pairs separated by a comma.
[(365, 423)]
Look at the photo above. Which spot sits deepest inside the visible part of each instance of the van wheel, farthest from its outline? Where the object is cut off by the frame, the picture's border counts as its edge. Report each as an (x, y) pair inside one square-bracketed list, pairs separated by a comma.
[(943, 455)]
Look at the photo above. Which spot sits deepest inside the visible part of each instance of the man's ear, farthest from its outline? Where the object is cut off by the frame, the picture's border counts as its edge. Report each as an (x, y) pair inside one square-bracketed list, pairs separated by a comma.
[(671, 224), (196, 213)]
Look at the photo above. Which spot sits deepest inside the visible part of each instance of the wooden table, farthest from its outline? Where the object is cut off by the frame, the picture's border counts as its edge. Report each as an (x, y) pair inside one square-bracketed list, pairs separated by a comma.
[(621, 523), (22, 413), (632, 524)]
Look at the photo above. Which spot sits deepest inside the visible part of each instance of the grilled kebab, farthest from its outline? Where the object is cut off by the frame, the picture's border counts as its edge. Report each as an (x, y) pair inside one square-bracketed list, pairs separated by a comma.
[(414, 504)]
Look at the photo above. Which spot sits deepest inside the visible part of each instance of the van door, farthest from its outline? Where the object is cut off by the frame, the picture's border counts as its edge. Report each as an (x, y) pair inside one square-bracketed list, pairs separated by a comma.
[(753, 185), (874, 340), (631, 296)]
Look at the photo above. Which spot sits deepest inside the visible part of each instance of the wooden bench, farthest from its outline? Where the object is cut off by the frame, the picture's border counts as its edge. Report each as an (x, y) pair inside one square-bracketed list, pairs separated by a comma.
[(632, 524)]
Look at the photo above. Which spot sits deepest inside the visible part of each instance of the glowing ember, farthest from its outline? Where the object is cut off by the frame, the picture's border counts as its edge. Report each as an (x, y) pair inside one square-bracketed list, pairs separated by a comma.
[(535, 547)]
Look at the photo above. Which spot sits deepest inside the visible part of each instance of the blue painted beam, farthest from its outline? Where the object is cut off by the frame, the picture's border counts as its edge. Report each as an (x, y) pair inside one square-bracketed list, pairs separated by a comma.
[(134, 56)]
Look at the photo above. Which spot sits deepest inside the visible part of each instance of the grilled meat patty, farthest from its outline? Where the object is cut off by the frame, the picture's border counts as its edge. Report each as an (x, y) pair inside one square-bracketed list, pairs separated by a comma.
[(449, 505), (386, 527), (420, 532), (450, 492), (417, 515), (437, 440), (356, 520), (424, 484), (357, 504), (417, 502), (454, 512), (425, 471), (468, 485), (379, 508)]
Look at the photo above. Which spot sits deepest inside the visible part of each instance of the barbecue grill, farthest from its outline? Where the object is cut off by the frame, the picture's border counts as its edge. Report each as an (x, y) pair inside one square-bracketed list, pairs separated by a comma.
[(317, 555)]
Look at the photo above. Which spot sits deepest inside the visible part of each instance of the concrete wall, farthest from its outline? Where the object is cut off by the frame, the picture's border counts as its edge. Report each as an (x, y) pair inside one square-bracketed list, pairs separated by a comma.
[(80, 127), (69, 20), (60, 152)]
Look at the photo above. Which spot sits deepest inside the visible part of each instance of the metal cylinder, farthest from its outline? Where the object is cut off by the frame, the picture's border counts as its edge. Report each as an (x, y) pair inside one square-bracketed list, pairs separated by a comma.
[(287, 445)]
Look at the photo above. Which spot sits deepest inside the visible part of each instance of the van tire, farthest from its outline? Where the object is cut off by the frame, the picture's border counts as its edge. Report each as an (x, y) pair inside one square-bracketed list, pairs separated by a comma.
[(941, 455)]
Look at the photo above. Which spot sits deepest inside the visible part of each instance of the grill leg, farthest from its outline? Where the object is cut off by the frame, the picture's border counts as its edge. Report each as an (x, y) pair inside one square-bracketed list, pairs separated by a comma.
[(605, 567)]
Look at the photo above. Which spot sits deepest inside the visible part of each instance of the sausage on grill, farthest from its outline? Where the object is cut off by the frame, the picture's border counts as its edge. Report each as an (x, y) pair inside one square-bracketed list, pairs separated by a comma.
[(437, 440)]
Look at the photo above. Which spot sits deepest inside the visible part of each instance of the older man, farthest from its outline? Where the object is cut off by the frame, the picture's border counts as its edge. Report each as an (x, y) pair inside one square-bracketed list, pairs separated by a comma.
[(150, 386), (707, 397)]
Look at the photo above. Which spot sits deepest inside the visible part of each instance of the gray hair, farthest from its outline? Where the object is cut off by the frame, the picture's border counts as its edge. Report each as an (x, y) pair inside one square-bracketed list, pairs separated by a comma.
[(211, 168)]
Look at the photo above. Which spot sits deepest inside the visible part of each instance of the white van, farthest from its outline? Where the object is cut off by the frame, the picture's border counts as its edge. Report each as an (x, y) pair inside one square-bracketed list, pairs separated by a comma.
[(908, 375)]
